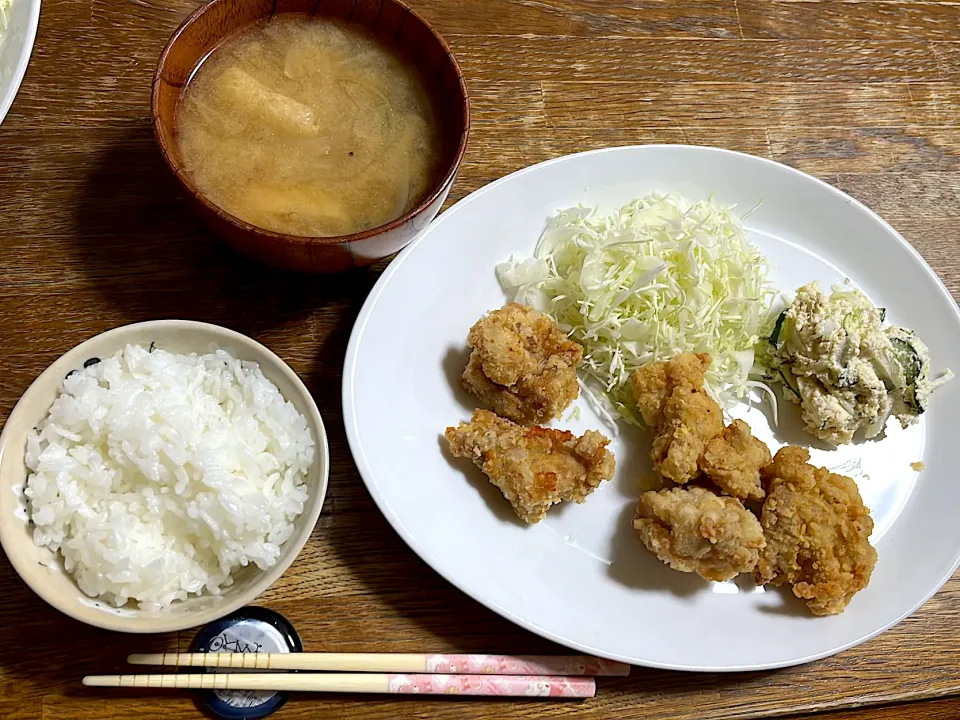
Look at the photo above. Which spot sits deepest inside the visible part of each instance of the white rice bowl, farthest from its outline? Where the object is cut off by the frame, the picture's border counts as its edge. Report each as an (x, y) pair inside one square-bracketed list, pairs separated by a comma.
[(156, 475)]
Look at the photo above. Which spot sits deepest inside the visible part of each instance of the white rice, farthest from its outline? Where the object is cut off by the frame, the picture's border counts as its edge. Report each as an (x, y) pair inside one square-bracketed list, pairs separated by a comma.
[(156, 475)]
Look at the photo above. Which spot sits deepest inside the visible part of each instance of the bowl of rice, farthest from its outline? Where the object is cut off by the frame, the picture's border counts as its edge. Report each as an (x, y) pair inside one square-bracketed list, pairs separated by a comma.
[(160, 476)]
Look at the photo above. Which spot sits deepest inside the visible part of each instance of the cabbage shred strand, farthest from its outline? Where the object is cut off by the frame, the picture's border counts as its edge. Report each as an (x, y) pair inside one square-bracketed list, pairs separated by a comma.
[(660, 276)]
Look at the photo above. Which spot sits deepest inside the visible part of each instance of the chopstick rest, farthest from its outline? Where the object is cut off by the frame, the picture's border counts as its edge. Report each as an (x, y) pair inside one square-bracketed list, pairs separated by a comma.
[(248, 630), (394, 663), (536, 686)]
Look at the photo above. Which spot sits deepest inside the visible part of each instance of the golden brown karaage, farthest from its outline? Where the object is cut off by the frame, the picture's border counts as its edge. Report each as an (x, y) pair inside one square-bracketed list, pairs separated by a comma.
[(695, 530), (673, 402), (533, 467), (521, 365), (817, 531), (732, 460)]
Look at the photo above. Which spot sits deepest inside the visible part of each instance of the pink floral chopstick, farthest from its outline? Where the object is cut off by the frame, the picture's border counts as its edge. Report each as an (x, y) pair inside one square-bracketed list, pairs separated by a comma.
[(544, 686), (525, 665), (532, 686), (455, 664)]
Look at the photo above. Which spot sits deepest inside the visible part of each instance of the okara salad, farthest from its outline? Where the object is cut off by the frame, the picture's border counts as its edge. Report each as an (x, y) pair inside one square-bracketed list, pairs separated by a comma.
[(846, 371)]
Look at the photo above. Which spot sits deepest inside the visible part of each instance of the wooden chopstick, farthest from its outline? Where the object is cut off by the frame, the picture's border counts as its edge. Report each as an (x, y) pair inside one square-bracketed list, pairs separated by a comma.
[(394, 663), (538, 686)]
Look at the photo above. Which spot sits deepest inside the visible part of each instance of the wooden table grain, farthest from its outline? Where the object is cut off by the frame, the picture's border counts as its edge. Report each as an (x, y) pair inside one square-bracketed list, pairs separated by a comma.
[(865, 95)]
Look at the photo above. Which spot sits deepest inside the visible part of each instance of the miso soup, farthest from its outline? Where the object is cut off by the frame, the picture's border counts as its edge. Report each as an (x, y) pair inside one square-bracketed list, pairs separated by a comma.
[(310, 127)]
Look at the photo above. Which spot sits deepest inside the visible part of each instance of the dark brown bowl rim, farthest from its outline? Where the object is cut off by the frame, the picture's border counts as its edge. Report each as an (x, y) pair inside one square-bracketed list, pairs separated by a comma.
[(306, 239)]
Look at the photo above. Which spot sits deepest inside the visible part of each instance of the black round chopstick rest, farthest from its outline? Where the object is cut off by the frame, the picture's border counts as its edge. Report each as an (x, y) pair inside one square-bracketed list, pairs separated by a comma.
[(248, 630)]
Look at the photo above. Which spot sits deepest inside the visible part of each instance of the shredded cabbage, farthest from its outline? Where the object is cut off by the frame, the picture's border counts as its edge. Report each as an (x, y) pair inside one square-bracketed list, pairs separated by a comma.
[(660, 276), (4, 8)]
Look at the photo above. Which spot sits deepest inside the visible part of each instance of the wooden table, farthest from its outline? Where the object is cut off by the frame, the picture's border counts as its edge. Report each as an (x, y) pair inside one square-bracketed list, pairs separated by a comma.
[(93, 235)]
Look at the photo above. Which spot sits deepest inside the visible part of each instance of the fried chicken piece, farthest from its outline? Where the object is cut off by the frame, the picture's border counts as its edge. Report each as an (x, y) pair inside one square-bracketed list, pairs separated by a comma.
[(674, 403), (651, 387), (533, 467), (695, 530), (817, 531), (690, 419), (654, 383), (521, 365), (732, 460)]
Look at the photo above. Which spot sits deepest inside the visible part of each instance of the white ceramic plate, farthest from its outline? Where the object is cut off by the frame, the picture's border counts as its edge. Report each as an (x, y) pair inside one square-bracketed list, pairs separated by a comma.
[(16, 44), (581, 577)]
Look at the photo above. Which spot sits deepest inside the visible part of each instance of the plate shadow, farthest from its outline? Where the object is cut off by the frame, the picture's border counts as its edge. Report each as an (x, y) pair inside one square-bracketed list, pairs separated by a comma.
[(789, 604), (454, 362), (634, 470)]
